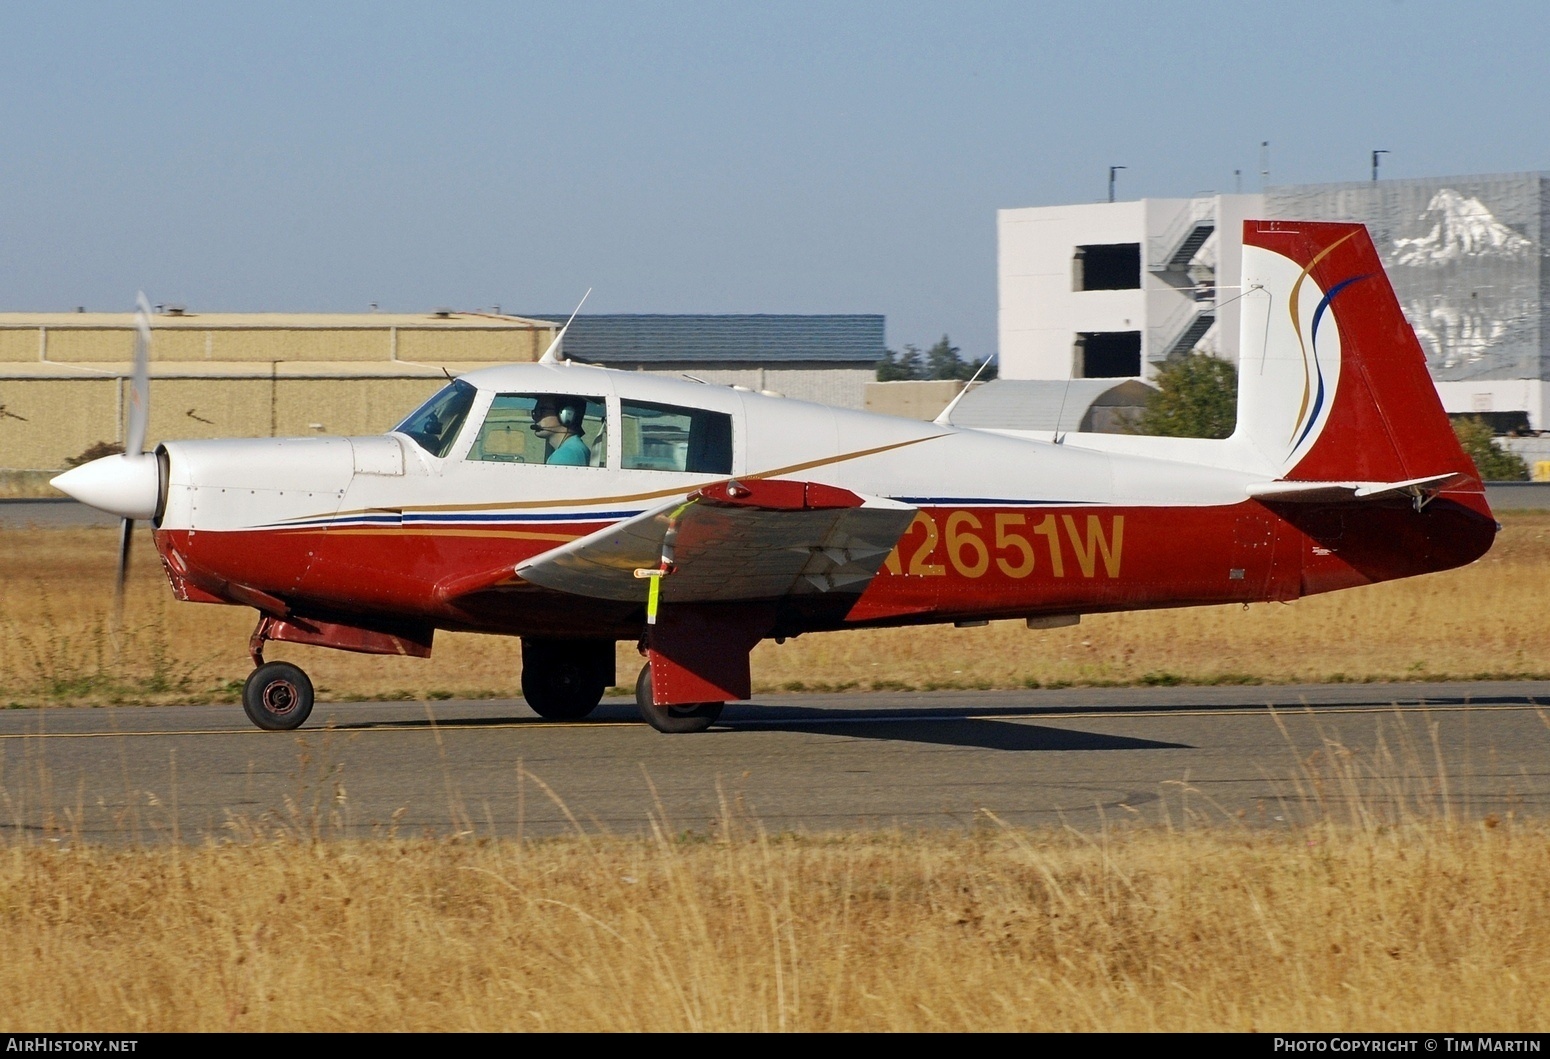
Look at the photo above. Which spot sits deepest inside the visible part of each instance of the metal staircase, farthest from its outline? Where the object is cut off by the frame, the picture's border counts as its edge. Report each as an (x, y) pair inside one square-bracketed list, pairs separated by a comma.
[(1180, 330), (1176, 247), (1169, 257), (1191, 335)]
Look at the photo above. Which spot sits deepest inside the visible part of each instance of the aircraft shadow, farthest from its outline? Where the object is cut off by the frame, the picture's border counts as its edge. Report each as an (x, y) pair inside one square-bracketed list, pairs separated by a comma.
[(971, 732), (965, 728), (504, 719), (987, 727), (945, 728)]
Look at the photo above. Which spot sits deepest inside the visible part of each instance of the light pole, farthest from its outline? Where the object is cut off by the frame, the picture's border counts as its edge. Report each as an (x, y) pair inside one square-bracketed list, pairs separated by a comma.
[(1112, 170), (1375, 155)]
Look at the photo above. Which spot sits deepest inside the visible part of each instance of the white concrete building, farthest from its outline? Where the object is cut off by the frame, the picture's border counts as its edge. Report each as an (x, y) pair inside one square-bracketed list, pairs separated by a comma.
[(1469, 258), (1111, 290)]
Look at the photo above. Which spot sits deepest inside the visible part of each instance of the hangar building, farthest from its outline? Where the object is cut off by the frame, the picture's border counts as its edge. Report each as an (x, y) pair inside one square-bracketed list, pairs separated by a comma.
[(64, 376), (826, 358)]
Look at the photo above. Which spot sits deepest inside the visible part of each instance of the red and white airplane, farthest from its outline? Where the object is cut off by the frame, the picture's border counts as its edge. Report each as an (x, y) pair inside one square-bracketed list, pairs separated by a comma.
[(576, 506)]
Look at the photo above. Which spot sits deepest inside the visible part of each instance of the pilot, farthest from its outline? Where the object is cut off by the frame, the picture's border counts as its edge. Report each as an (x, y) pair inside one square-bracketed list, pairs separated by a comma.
[(558, 420)]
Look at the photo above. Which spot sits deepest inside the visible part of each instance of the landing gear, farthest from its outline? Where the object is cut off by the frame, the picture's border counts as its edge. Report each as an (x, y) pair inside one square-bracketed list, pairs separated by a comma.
[(277, 697), (565, 680), (690, 717)]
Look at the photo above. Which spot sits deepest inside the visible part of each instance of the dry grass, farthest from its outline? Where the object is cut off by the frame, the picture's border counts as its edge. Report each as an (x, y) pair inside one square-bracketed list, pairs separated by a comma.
[(1315, 929), (1480, 621), (1377, 909)]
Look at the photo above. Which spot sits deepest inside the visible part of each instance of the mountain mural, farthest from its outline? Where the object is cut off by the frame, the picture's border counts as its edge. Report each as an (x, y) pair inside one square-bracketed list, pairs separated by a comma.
[(1467, 257), (1461, 227)]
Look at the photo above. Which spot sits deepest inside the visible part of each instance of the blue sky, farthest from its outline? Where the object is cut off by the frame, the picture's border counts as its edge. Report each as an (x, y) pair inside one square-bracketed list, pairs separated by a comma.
[(691, 157)]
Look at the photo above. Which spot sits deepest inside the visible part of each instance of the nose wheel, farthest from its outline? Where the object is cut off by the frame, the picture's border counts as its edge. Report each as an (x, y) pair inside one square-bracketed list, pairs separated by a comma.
[(277, 697)]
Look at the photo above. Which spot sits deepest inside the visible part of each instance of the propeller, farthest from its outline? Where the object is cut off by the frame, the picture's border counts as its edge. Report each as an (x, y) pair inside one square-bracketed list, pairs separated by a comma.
[(128, 484), (138, 422)]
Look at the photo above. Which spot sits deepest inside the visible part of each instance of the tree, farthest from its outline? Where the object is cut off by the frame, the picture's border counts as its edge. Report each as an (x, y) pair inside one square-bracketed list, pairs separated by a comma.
[(1494, 463), (941, 361), (1197, 397), (900, 367)]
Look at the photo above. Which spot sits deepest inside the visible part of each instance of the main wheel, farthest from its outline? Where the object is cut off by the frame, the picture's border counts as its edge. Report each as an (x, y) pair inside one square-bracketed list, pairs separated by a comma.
[(277, 697), (559, 684), (693, 717)]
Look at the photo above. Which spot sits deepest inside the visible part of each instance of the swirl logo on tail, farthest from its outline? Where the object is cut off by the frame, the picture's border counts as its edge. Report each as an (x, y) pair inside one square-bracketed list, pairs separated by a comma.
[(1314, 394)]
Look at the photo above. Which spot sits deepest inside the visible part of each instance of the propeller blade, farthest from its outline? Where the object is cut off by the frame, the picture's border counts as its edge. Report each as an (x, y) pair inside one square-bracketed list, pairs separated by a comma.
[(126, 531), (140, 382)]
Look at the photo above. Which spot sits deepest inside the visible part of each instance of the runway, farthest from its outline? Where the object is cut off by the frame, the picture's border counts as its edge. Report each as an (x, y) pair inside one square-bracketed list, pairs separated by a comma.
[(1087, 758)]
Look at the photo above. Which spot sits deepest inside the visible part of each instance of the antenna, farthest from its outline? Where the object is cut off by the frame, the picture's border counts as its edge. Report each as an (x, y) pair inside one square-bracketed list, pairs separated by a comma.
[(944, 419), (1112, 170), (1375, 155), (553, 355)]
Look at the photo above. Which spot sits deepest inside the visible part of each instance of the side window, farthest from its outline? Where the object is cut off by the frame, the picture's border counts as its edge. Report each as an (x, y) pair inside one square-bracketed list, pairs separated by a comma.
[(560, 429), (659, 437)]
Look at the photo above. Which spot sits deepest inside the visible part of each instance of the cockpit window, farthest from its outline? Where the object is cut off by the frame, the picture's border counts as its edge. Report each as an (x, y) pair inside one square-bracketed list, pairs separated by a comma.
[(545, 428), (660, 437), (434, 425)]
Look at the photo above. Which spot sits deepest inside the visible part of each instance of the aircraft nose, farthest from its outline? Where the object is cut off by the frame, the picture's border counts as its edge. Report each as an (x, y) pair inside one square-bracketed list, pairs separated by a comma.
[(126, 485)]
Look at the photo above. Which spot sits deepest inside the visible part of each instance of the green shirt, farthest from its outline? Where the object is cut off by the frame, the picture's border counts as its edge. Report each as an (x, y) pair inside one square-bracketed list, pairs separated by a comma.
[(572, 452)]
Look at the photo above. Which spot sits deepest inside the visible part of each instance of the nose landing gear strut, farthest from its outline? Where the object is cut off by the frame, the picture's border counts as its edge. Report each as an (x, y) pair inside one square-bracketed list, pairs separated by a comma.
[(277, 695)]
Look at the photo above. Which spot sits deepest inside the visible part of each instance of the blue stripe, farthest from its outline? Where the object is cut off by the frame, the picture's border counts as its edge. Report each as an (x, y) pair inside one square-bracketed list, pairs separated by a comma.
[(418, 519), (590, 516), (1318, 314)]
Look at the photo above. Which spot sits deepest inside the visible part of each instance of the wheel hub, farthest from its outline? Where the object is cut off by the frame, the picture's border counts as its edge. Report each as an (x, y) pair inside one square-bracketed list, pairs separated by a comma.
[(279, 697)]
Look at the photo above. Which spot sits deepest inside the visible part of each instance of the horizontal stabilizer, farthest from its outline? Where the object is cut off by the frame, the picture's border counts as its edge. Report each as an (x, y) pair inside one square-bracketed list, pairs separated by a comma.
[(732, 542), (1351, 492)]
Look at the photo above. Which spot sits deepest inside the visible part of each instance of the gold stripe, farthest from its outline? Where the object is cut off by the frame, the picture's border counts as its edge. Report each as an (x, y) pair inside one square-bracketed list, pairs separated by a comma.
[(520, 505), (1292, 304)]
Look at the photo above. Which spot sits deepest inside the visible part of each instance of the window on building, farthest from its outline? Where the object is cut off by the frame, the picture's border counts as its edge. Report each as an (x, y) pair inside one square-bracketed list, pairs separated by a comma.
[(1107, 266), (1108, 355), (659, 437)]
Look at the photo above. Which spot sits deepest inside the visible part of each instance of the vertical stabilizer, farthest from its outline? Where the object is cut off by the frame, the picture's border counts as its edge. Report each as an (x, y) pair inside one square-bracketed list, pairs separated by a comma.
[(1333, 385)]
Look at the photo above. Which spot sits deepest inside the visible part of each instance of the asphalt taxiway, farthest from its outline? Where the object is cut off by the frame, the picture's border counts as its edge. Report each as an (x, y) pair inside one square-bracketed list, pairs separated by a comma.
[(1231, 756)]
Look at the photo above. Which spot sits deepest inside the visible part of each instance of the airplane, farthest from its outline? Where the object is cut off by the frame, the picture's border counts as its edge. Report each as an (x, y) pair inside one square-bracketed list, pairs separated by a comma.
[(576, 506)]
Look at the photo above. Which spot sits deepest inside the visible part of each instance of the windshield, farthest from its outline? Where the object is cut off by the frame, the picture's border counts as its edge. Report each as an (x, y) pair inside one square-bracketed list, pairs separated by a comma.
[(434, 425)]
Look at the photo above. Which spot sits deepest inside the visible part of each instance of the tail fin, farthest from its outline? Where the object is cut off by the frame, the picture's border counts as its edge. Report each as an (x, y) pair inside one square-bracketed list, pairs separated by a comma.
[(1332, 382)]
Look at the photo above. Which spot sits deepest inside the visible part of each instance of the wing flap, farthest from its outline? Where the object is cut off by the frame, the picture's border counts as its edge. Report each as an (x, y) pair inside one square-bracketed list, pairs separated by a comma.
[(733, 542)]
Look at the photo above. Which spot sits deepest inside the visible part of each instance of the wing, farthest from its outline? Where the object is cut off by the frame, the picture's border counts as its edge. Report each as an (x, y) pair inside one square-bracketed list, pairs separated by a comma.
[(733, 542)]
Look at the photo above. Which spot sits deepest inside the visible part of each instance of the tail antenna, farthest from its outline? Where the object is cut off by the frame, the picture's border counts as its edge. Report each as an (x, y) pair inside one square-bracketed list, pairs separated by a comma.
[(554, 354)]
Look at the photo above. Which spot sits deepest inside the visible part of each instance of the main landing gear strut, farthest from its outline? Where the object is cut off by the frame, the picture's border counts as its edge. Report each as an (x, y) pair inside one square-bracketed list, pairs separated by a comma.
[(277, 696)]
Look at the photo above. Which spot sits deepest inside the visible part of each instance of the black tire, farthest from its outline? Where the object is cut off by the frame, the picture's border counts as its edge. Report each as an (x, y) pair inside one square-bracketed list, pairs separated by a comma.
[(559, 685), (693, 717), (277, 697)]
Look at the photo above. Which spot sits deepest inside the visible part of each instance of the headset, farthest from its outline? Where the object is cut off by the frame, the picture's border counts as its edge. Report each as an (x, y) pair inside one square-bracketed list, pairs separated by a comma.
[(570, 415)]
